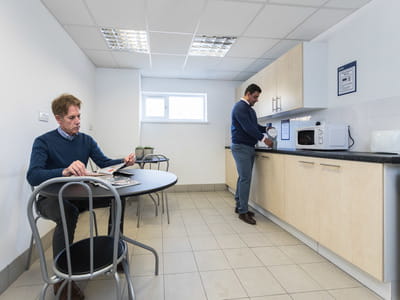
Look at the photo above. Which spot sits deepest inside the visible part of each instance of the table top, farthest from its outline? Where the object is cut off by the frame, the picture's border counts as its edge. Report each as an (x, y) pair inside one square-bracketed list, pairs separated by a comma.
[(150, 181)]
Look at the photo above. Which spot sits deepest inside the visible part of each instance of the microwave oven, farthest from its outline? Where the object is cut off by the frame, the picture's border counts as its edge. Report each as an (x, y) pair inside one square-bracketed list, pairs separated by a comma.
[(323, 137)]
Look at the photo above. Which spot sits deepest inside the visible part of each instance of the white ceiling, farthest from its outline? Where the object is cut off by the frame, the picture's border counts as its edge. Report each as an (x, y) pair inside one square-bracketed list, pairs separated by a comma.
[(265, 29)]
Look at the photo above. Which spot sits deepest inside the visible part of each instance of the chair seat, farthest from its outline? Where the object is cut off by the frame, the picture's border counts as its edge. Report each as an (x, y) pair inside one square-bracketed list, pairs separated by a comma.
[(80, 255)]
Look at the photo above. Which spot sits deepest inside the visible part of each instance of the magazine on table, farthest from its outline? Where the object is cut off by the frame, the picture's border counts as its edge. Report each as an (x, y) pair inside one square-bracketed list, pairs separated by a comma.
[(111, 170), (117, 181)]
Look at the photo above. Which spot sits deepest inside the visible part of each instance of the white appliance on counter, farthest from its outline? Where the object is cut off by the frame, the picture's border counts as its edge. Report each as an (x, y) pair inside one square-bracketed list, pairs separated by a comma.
[(387, 141), (323, 137)]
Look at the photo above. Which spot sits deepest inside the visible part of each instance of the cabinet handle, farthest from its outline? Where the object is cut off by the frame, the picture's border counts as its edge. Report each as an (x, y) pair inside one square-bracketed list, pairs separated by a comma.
[(329, 165), (278, 103), (264, 156), (273, 104), (306, 162)]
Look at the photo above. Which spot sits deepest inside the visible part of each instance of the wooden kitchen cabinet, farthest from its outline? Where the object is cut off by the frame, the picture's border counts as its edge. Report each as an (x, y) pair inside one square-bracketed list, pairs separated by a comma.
[(339, 204), (231, 174), (301, 189)]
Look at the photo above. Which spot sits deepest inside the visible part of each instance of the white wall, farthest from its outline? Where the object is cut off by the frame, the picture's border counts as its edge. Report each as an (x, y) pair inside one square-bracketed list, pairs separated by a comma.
[(38, 62), (196, 150), (369, 36), (117, 111)]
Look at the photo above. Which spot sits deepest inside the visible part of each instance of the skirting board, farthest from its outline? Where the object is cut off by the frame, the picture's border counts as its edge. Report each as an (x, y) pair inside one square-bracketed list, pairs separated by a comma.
[(10, 273)]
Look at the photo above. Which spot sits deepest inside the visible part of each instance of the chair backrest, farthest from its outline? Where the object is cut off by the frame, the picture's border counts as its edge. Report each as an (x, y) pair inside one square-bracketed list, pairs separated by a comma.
[(66, 183), (160, 161)]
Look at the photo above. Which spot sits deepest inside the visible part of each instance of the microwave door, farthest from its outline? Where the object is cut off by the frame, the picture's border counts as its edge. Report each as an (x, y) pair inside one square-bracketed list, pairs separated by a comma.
[(306, 137)]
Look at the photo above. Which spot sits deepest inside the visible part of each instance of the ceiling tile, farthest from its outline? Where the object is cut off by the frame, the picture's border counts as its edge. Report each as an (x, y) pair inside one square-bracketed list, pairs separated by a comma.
[(201, 63), (102, 59), (69, 12), (277, 21), (242, 76), (167, 62), (258, 65), (346, 3), (299, 2), (318, 23), (227, 17), (131, 59), (280, 48), (234, 64), (220, 75), (87, 37), (251, 47), (170, 43), (123, 14), (174, 15)]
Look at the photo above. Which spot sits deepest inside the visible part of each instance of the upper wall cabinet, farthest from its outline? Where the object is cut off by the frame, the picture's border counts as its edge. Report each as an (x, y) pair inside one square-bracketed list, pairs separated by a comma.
[(295, 82)]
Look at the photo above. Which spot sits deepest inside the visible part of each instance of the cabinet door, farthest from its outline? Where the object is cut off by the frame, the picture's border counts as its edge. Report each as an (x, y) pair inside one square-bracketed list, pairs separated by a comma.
[(301, 207), (231, 175), (268, 79), (290, 79), (363, 185), (257, 179), (271, 197), (335, 209)]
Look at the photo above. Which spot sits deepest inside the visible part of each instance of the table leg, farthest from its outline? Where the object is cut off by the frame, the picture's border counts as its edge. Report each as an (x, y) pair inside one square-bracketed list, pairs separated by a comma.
[(136, 243)]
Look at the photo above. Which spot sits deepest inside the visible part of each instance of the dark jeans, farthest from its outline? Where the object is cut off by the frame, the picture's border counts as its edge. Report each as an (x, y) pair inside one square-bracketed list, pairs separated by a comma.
[(244, 158), (50, 209)]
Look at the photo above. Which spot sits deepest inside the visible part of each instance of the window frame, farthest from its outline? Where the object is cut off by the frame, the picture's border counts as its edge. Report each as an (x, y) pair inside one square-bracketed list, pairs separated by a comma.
[(166, 119)]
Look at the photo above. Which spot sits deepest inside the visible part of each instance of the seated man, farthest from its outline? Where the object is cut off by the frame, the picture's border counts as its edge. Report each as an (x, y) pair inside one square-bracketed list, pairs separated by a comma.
[(65, 152)]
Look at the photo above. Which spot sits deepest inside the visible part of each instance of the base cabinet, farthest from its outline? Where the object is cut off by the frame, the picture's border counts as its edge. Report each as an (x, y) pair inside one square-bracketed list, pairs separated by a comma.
[(231, 175), (337, 203)]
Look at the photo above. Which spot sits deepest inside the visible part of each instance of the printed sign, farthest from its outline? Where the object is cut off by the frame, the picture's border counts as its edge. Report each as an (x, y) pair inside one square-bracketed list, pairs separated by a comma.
[(347, 78)]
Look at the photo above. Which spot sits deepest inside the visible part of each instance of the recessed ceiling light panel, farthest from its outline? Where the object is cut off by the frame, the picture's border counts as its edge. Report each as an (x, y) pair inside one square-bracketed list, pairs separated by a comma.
[(126, 40), (211, 45)]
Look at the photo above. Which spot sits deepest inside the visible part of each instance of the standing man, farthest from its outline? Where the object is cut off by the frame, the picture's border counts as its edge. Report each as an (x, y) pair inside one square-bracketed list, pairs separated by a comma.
[(245, 134), (65, 152)]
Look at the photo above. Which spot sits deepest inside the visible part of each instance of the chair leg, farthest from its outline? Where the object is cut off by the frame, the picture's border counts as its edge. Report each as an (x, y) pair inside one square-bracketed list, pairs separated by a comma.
[(118, 286), (131, 292), (165, 197), (43, 292), (155, 203), (28, 259), (95, 223)]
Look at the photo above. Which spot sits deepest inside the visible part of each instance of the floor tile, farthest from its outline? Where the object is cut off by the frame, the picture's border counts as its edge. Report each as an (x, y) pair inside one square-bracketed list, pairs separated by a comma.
[(272, 256), (198, 230), (294, 279), (259, 282), (179, 262), (229, 241), (255, 239), (360, 293), (103, 289), (176, 244), (184, 286), (276, 297), (211, 260), (242, 258), (221, 228), (203, 243), (221, 285), (214, 220), (24, 292), (154, 243), (148, 288), (301, 254), (329, 276), (141, 265), (282, 238), (321, 295)]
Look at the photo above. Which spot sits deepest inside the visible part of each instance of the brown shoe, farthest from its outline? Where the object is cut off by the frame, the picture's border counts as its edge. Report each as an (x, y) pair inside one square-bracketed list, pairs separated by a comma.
[(76, 292), (247, 218), (249, 212)]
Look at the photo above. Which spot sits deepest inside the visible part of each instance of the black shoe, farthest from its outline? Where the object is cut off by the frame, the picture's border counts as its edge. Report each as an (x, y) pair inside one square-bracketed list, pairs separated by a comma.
[(247, 218), (249, 212)]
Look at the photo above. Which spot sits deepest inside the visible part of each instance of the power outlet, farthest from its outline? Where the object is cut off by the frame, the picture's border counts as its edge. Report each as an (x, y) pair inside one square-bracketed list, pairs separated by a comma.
[(43, 116)]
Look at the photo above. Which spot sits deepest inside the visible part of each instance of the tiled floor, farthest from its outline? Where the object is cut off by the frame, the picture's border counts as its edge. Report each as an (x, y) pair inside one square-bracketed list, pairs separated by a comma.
[(207, 253)]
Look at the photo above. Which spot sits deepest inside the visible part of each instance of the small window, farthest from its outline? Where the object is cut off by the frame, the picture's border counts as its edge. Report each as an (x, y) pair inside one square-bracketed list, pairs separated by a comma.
[(174, 107)]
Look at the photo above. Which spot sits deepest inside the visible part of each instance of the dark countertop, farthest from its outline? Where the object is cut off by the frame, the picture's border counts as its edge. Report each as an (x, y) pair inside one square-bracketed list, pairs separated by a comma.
[(387, 158)]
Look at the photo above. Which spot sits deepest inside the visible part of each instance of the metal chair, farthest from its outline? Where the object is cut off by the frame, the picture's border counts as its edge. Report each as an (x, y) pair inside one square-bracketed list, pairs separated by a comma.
[(87, 258), (159, 162)]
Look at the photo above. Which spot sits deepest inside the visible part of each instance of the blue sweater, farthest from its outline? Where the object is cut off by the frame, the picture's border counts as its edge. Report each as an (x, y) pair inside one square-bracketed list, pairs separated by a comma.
[(52, 153), (245, 129)]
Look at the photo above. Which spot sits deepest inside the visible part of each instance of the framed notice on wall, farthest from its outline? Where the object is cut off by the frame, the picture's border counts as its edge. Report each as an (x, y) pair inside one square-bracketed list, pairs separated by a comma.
[(347, 78)]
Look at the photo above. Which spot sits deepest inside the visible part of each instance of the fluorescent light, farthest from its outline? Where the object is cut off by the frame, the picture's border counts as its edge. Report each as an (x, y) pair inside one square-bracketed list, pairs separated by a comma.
[(126, 40), (211, 45)]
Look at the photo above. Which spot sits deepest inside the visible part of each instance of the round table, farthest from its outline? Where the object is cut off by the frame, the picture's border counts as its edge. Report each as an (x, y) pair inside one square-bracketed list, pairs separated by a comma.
[(150, 181)]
